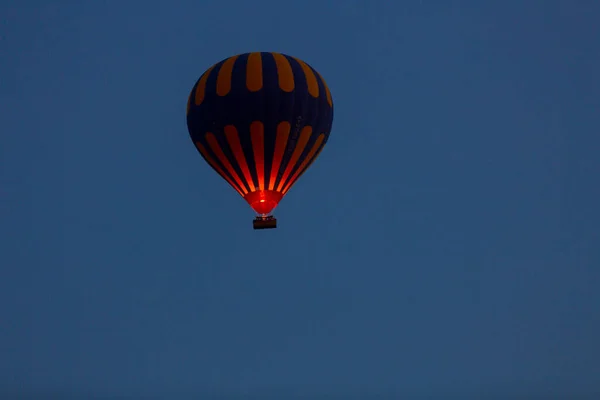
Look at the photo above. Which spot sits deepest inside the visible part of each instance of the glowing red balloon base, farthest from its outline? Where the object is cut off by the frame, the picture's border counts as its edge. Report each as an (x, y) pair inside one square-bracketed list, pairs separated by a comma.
[(263, 202)]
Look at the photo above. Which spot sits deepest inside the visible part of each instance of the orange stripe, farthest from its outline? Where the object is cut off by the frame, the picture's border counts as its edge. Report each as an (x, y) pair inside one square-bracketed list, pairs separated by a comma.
[(285, 73), (300, 145), (214, 145), (311, 79), (212, 162), (327, 92), (283, 132), (234, 142), (257, 134), (254, 75), (308, 160), (224, 78), (201, 88)]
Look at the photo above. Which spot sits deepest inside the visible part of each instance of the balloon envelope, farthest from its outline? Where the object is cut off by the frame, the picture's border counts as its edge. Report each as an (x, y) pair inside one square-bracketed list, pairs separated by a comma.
[(260, 120)]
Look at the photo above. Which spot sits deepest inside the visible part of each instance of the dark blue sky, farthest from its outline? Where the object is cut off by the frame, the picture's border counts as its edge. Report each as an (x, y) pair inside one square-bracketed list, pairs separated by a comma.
[(445, 242)]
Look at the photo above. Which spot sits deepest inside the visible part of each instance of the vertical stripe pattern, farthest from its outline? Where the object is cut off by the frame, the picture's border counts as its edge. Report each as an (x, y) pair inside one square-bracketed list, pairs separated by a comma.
[(260, 120)]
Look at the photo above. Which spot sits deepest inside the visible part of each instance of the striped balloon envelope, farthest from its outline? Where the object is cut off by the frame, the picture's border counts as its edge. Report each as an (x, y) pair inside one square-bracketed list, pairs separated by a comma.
[(260, 120)]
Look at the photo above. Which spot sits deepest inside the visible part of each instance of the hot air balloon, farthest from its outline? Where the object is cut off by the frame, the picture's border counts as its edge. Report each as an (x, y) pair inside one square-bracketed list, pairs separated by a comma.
[(260, 120)]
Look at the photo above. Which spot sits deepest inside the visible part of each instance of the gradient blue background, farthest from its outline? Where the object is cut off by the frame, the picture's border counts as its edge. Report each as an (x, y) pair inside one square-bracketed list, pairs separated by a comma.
[(444, 245)]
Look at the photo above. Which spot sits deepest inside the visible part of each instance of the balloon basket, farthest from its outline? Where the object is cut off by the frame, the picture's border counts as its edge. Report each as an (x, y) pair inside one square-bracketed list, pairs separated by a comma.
[(268, 222)]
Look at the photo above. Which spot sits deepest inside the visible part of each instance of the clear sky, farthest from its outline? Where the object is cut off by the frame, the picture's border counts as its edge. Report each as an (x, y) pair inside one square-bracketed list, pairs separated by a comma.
[(444, 244)]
